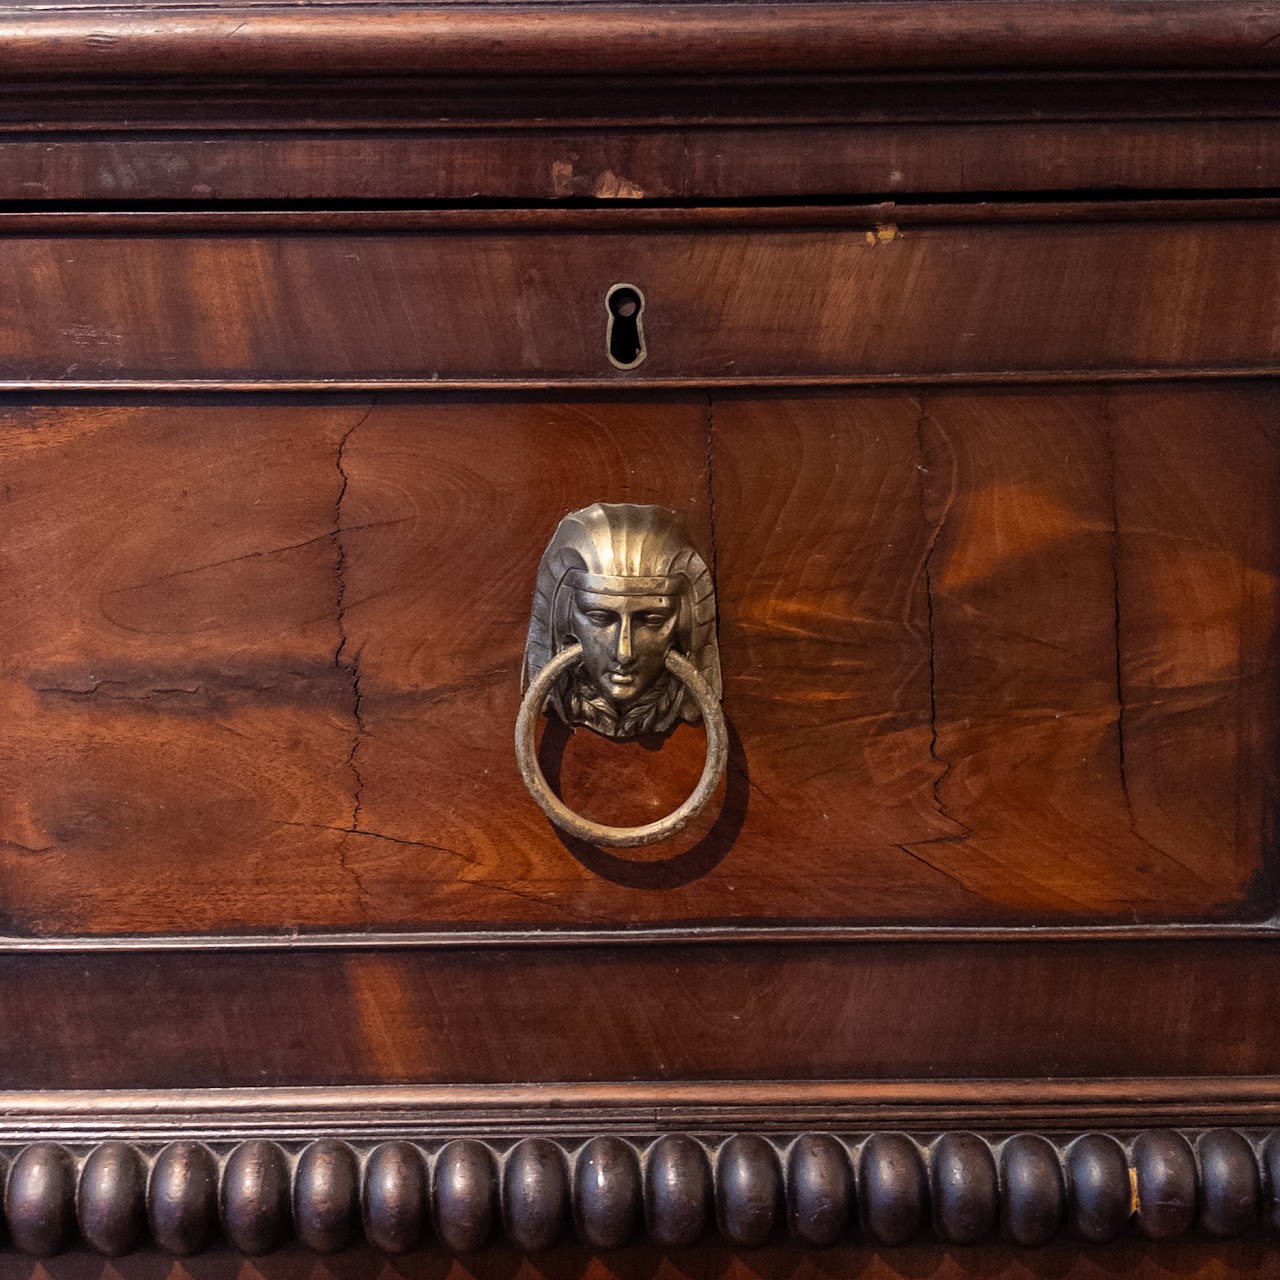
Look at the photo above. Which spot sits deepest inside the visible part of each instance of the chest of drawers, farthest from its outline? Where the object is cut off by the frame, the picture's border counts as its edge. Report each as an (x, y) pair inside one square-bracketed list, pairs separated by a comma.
[(908, 370)]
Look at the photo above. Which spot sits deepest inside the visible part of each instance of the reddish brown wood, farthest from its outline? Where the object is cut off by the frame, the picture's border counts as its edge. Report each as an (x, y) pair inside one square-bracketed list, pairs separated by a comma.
[(830, 304), (893, 1011), (989, 657), (994, 658), (226, 39)]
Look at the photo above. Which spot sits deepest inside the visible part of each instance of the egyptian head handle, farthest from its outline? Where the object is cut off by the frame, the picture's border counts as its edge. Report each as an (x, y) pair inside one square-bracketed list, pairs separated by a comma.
[(622, 641)]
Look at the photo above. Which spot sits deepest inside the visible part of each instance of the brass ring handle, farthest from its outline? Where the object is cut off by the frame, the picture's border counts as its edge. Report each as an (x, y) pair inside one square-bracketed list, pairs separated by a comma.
[(595, 832)]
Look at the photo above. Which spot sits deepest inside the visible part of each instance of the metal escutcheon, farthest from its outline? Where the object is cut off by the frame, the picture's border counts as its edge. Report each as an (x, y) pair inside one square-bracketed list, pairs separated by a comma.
[(622, 641)]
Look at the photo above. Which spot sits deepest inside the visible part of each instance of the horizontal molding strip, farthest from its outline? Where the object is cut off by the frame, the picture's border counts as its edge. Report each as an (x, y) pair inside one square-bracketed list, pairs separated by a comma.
[(633, 384), (658, 935), (627, 216), (310, 40), (370, 1112), (531, 1191)]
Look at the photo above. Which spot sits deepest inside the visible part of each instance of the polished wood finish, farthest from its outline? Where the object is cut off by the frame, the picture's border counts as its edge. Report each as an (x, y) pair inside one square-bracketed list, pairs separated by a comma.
[(918, 687), (962, 361), (819, 1189), (227, 39), (862, 1012), (526, 305)]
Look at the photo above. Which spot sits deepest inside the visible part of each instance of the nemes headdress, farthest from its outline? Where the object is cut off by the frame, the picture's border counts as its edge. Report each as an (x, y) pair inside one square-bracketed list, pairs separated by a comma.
[(621, 548)]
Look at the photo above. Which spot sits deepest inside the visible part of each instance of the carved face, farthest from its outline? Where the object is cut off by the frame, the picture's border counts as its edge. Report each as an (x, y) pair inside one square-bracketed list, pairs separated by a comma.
[(624, 639)]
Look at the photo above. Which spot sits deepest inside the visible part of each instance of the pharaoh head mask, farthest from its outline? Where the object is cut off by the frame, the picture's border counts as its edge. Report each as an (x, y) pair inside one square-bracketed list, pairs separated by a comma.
[(626, 584)]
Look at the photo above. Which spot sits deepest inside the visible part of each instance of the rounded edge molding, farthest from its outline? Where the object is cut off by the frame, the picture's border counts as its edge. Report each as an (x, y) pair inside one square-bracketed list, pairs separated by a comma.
[(960, 1188)]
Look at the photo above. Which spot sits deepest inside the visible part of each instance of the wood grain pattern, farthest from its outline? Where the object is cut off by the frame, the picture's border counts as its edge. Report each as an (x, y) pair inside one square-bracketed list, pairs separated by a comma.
[(1009, 708), (172, 688), (889, 1011), (980, 945), (991, 658), (492, 307)]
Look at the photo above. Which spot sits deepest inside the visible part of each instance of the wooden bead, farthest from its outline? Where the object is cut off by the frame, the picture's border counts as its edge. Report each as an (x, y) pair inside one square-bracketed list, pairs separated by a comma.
[(1165, 1180), (111, 1199), (326, 1196), (255, 1197), (819, 1189), (1230, 1185), (677, 1191), (182, 1200), (40, 1199), (1271, 1181), (892, 1190), (965, 1193), (1035, 1194), (748, 1184), (535, 1194), (464, 1195), (394, 1201), (1098, 1187), (607, 1197)]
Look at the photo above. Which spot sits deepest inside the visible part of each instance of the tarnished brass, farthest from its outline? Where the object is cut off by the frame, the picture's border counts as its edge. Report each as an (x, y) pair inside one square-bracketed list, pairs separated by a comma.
[(622, 640)]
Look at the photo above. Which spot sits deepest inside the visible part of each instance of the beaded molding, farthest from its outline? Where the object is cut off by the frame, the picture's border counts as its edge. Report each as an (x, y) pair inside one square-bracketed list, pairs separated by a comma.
[(818, 1188)]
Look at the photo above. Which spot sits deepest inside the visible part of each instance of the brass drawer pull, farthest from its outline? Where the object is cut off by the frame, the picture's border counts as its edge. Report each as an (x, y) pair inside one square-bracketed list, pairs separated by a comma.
[(622, 640)]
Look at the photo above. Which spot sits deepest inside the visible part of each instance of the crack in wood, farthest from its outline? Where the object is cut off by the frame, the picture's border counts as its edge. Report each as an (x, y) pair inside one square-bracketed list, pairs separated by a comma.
[(350, 665)]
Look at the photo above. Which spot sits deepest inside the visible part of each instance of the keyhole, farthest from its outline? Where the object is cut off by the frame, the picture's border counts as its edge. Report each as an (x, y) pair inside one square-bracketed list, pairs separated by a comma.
[(624, 336)]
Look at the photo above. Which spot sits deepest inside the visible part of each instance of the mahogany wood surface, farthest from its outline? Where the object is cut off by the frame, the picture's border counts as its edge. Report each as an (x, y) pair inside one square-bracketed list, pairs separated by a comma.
[(929, 301), (891, 1011), (963, 333), (990, 657)]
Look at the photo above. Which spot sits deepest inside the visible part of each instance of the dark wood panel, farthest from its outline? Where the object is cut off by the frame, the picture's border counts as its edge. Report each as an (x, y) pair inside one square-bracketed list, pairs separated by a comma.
[(545, 1014), (990, 657), (811, 303), (692, 161)]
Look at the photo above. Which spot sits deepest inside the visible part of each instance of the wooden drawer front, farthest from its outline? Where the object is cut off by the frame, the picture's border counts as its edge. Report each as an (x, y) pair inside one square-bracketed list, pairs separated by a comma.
[(481, 300), (991, 657)]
